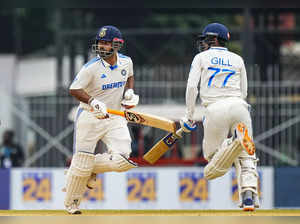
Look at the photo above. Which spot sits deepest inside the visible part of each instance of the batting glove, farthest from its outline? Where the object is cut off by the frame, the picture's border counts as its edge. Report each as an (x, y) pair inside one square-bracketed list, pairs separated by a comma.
[(187, 125), (98, 109), (130, 99)]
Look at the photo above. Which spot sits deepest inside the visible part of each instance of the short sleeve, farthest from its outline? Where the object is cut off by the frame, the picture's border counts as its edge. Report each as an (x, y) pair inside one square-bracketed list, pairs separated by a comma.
[(195, 72), (82, 79), (130, 68)]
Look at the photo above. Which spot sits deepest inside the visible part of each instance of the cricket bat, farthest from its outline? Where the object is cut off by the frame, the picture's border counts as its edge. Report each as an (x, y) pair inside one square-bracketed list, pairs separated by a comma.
[(146, 119), (162, 146)]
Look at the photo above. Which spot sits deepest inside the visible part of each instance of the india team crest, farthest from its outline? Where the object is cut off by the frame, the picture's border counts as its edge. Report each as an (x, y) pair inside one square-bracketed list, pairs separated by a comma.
[(102, 32), (123, 72)]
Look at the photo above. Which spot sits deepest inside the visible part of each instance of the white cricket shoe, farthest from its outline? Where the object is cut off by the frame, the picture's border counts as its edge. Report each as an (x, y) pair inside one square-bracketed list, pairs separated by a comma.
[(245, 139), (73, 209), (248, 202), (92, 181)]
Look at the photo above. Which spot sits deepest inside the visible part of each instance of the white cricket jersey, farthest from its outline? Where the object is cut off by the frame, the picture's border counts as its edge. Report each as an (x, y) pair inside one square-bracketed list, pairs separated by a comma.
[(221, 74), (104, 82)]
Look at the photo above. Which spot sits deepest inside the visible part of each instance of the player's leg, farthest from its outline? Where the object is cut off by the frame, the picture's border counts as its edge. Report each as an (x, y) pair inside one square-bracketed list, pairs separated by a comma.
[(118, 142), (242, 125), (246, 163), (216, 129), (77, 177), (82, 162), (247, 178), (222, 160), (234, 111)]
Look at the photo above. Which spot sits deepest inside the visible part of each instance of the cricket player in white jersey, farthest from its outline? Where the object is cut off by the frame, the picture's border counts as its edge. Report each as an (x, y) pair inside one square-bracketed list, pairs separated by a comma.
[(99, 85), (223, 91)]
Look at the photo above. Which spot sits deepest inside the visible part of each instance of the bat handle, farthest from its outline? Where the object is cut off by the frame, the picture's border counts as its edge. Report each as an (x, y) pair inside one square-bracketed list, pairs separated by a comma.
[(116, 112)]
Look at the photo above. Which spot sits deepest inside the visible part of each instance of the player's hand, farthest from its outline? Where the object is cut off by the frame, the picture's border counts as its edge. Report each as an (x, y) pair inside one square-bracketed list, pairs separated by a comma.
[(130, 99), (187, 125), (98, 109)]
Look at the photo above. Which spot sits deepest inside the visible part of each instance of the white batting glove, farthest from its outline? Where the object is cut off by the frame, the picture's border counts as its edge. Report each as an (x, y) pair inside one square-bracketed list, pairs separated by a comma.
[(187, 125), (130, 99), (98, 109)]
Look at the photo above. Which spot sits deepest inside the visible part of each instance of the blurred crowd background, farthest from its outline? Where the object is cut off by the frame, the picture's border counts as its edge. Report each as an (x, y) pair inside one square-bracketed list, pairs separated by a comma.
[(41, 50)]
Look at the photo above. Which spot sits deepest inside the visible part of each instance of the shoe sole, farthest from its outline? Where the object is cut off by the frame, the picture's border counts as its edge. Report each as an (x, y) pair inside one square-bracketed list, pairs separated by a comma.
[(248, 209), (75, 213), (246, 142)]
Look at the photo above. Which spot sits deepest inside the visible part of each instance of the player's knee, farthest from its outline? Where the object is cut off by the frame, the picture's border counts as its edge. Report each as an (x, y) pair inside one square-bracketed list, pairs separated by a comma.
[(123, 148), (211, 172), (123, 163), (112, 162), (82, 164)]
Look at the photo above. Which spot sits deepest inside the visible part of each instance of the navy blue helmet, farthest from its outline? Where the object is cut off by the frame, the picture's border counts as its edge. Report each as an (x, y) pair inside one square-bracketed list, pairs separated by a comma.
[(218, 30), (111, 34), (211, 33)]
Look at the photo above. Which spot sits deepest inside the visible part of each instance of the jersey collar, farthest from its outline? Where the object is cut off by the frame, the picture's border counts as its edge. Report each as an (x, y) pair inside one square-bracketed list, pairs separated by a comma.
[(218, 48), (107, 65)]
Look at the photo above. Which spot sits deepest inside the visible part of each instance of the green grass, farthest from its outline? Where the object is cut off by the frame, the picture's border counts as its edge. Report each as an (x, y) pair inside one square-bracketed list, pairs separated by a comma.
[(259, 212)]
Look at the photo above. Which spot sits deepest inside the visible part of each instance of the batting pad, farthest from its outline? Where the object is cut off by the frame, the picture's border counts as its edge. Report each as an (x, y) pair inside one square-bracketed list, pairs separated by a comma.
[(77, 177), (222, 160), (112, 162), (247, 176)]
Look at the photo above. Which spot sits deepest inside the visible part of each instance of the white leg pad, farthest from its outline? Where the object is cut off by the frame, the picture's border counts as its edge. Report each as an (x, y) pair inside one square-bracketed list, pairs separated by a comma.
[(112, 162), (77, 176), (222, 161), (247, 175)]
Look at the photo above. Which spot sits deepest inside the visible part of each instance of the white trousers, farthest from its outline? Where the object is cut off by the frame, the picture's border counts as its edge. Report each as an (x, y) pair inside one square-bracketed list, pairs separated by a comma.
[(220, 118), (112, 131)]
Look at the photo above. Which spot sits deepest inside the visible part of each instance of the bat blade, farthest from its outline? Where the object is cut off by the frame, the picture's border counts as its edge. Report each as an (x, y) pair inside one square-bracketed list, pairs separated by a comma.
[(162, 146), (146, 119)]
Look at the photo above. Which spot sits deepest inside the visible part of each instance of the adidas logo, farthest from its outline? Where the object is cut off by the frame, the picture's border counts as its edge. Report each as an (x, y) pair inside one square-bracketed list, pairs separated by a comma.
[(103, 76)]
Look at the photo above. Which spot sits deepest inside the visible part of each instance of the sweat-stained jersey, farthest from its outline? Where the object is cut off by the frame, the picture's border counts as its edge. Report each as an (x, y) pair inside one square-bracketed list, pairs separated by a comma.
[(104, 82), (221, 73)]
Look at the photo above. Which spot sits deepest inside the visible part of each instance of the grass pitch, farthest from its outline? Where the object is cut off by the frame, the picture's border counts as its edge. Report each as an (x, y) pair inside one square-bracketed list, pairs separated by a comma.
[(259, 212)]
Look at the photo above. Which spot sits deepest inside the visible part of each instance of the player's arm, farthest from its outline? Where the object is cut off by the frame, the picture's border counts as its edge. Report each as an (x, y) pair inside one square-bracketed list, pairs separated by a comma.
[(187, 124), (80, 95), (130, 98), (192, 87), (244, 82), (130, 83), (76, 90), (81, 81)]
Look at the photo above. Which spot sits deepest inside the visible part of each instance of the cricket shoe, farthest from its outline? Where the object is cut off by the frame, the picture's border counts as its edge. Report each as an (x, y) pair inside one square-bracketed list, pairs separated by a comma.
[(92, 181), (73, 209), (245, 139), (248, 203)]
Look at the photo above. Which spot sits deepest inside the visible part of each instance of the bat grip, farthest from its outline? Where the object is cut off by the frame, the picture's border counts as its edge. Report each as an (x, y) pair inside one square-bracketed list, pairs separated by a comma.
[(116, 112)]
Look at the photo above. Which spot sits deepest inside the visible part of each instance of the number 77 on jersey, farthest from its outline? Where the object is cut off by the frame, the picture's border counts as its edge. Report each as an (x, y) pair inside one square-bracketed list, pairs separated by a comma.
[(162, 146)]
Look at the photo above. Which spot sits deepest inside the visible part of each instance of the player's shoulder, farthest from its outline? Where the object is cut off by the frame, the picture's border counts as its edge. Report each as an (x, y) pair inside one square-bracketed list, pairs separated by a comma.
[(91, 62), (204, 53), (235, 55), (124, 58), (198, 56)]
